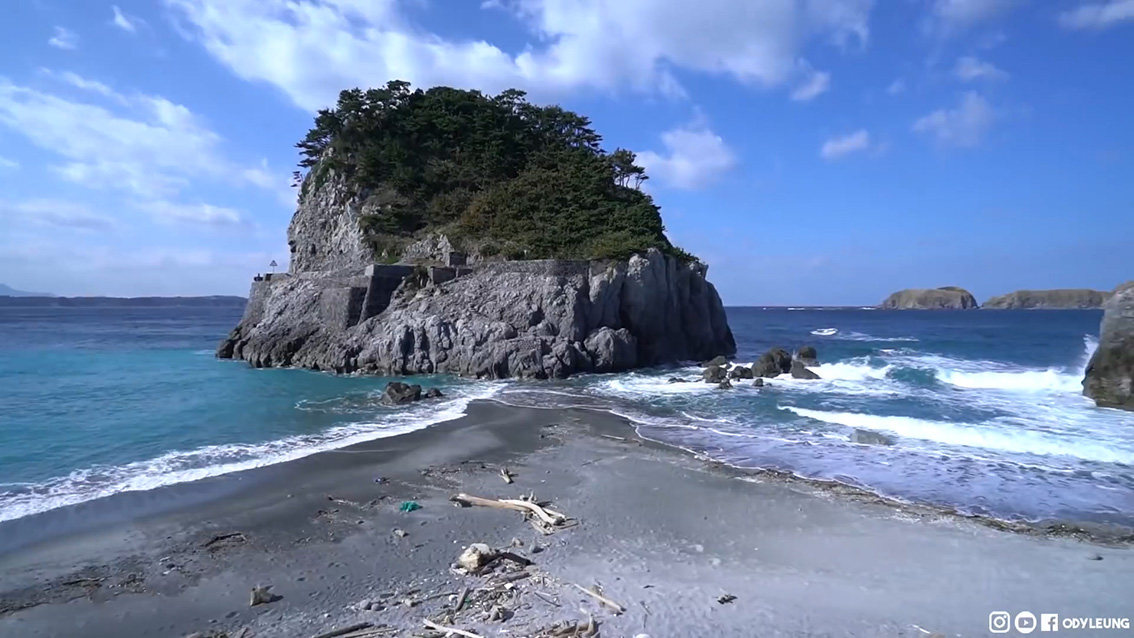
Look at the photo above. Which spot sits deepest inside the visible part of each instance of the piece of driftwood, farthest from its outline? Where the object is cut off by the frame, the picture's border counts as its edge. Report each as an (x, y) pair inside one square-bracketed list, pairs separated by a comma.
[(223, 537), (519, 505), (451, 630), (461, 600), (506, 475), (344, 630), (618, 609)]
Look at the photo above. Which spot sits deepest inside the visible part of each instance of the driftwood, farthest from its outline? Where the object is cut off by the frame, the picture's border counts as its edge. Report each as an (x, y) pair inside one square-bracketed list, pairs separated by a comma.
[(451, 630), (506, 475), (223, 537), (344, 630), (618, 609), (549, 517), (461, 600)]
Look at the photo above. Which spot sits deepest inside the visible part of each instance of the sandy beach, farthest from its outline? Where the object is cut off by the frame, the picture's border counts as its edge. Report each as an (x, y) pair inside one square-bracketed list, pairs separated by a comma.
[(686, 547)]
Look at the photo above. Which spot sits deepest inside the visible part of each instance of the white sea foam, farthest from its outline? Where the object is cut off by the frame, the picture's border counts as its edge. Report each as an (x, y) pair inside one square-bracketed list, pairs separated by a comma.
[(987, 436), (862, 336), (214, 460)]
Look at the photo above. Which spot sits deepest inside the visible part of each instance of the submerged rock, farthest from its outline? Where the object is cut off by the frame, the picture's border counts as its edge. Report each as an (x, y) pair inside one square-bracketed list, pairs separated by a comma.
[(869, 437), (800, 371), (945, 298), (716, 361), (758, 383), (807, 355), (398, 393), (740, 372), (772, 363), (714, 374), (724, 385), (677, 380), (1109, 378)]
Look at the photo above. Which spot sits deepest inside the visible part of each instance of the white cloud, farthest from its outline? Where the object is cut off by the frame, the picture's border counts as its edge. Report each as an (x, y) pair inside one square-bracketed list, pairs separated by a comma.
[(964, 126), (64, 39), (837, 147), (312, 50), (54, 212), (816, 83), (969, 68), (1098, 15), (694, 156), (896, 87), (8, 164), (124, 22), (79, 82), (149, 147), (194, 214), (952, 16)]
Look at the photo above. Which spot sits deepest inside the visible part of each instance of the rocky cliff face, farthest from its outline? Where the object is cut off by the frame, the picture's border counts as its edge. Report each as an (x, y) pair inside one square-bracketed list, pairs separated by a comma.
[(1110, 374), (946, 298), (1048, 299), (534, 319)]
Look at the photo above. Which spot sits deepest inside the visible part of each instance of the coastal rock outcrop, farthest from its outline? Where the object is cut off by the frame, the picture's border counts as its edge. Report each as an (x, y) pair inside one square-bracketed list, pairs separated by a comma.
[(1109, 378), (945, 298), (1067, 298), (772, 363)]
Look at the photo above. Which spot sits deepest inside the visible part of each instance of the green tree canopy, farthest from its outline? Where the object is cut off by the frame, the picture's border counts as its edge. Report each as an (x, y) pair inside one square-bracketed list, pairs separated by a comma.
[(495, 172)]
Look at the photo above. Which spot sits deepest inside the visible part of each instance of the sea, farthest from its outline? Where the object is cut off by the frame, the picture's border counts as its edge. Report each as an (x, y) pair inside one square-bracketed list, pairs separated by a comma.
[(984, 408)]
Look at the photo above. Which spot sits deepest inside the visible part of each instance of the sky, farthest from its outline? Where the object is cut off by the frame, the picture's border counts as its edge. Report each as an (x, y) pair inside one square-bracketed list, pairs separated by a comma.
[(823, 152)]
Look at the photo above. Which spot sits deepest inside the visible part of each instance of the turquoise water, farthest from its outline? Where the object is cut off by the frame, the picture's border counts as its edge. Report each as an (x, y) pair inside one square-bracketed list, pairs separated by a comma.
[(96, 401), (985, 408)]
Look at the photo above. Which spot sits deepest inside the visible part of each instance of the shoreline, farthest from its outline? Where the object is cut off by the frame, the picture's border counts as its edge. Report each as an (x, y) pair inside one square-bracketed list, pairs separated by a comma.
[(88, 516), (325, 556)]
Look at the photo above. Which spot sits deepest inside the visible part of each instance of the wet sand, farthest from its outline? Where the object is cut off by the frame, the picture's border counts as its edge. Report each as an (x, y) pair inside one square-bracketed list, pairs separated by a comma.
[(664, 534)]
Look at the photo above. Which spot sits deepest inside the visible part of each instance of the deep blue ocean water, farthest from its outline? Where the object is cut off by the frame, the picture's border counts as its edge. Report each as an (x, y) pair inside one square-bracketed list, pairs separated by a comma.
[(984, 407)]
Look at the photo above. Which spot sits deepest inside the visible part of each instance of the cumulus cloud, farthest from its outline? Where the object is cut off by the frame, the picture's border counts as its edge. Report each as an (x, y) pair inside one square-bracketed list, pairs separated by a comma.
[(311, 50), (839, 146), (64, 39), (1098, 15), (146, 145), (814, 84), (970, 68), (124, 22), (694, 157), (8, 164), (964, 126)]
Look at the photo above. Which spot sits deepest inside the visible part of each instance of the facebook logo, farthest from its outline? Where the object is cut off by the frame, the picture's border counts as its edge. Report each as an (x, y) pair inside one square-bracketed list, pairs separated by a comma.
[(1049, 622)]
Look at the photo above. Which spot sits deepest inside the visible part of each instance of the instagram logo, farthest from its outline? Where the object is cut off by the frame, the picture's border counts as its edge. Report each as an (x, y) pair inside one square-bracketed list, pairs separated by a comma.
[(999, 622)]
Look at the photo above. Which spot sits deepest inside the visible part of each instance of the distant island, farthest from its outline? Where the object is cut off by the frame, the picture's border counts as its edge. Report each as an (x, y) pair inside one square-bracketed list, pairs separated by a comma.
[(1060, 299), (944, 298), (8, 291), (8, 301)]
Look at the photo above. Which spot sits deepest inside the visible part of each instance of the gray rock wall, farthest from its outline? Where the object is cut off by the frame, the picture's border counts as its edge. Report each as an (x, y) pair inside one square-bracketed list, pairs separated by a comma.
[(534, 319), (1109, 379)]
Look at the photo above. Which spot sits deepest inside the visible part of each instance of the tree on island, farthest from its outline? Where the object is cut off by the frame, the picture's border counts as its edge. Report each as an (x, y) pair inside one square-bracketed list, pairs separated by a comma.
[(493, 172)]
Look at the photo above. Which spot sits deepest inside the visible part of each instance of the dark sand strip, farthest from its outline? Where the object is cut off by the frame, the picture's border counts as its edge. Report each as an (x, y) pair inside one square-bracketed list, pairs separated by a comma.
[(665, 535)]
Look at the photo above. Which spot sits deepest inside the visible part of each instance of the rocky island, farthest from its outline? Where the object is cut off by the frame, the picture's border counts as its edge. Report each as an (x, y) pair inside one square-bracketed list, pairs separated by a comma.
[(1109, 378), (446, 231), (1060, 299), (945, 298)]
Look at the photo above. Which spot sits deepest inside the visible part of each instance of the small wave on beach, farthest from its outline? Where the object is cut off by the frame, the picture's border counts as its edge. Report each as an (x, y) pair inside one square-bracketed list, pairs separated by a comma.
[(19, 500)]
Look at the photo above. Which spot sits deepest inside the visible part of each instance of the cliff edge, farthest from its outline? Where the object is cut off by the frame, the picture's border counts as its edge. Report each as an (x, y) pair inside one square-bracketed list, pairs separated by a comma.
[(1059, 299), (945, 298), (1109, 379)]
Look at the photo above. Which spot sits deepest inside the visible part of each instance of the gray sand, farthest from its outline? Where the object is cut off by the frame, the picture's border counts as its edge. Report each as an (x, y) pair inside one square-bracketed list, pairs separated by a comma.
[(663, 533)]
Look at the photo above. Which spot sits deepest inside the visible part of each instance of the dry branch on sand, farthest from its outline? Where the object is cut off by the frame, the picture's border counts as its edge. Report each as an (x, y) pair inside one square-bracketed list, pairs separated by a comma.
[(618, 609), (543, 518)]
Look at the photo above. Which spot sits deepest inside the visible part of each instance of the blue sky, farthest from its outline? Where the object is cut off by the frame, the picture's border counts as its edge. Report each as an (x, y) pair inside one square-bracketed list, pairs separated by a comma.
[(811, 151)]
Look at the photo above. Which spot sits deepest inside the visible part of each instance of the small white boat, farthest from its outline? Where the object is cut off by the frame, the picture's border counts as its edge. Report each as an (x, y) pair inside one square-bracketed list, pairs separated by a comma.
[(824, 332)]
